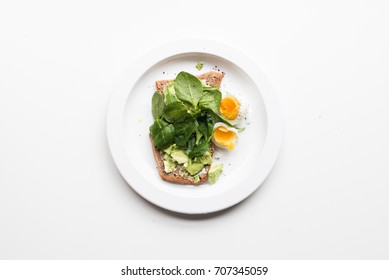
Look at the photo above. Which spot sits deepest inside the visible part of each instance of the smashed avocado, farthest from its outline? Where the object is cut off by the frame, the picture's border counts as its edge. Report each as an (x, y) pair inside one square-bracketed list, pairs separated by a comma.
[(174, 157), (198, 163), (199, 65), (194, 168), (214, 172), (169, 165), (179, 156)]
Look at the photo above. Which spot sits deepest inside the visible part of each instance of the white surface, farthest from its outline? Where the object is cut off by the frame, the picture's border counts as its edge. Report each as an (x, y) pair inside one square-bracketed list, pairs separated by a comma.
[(129, 118), (61, 196)]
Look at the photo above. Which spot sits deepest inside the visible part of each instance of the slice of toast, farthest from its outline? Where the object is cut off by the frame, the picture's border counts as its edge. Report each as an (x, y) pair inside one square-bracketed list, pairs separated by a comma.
[(210, 79)]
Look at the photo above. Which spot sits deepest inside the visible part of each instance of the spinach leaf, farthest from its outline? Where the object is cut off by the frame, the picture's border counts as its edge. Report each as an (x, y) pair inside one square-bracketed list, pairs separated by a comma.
[(217, 118), (210, 125), (211, 100), (157, 105), (199, 135), (205, 127), (184, 131), (170, 94), (202, 128), (175, 112), (162, 134), (170, 98), (202, 136), (191, 144), (188, 88), (199, 149)]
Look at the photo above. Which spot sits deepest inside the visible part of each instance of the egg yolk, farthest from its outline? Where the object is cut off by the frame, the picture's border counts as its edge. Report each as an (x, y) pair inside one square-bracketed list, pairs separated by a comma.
[(229, 107), (225, 137)]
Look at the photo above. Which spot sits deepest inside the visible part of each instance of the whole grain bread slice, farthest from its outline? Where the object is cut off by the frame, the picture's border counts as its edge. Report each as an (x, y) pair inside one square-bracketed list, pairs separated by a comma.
[(211, 79)]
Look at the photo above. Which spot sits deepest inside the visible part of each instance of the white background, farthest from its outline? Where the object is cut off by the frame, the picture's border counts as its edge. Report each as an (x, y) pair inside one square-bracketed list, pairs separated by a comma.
[(61, 196)]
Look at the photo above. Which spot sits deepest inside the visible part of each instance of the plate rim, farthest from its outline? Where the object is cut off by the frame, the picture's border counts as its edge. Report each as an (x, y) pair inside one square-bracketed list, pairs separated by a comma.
[(123, 87)]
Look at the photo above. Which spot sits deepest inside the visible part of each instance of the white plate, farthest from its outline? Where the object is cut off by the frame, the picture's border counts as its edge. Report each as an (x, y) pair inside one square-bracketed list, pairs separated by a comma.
[(129, 118)]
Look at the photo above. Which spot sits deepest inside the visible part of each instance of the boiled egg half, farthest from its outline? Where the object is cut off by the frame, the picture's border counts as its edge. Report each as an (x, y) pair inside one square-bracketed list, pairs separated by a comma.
[(224, 137), (229, 107)]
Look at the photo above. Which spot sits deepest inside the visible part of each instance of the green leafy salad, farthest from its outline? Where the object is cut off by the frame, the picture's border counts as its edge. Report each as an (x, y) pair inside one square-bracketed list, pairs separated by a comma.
[(184, 119)]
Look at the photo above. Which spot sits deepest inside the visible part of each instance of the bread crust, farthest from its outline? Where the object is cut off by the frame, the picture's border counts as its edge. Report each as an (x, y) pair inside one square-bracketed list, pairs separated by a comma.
[(211, 79)]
